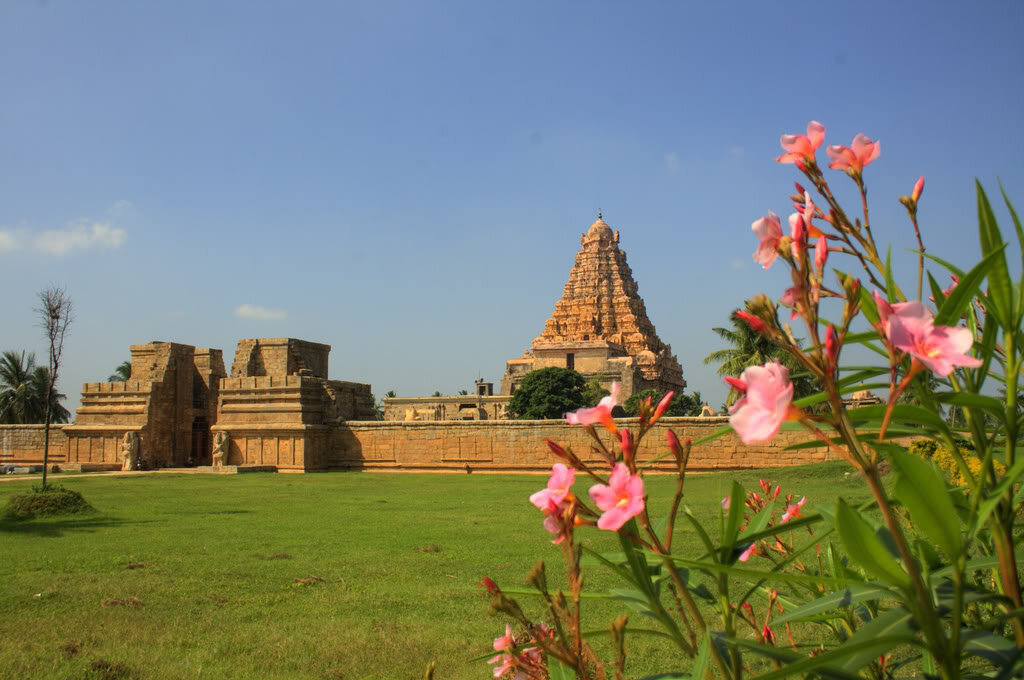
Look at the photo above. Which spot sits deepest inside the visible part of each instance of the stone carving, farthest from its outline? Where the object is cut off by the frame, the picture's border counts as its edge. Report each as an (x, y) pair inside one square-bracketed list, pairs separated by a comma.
[(707, 412), (220, 449), (412, 414), (130, 452)]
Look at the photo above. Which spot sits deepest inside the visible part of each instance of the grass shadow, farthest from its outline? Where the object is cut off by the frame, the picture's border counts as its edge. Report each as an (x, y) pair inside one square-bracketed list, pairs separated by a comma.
[(55, 528)]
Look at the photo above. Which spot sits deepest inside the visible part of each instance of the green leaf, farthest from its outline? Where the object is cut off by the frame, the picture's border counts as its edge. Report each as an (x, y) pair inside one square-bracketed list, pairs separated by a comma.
[(894, 627), (868, 306), (755, 575), (634, 599), (906, 413), (999, 285), (961, 296), (890, 283), (635, 558), (951, 267), (1016, 226), (937, 293), (700, 666), (994, 648), (833, 601), (864, 546), (558, 670), (824, 665), (732, 521), (976, 564), (972, 400), (921, 488), (995, 495)]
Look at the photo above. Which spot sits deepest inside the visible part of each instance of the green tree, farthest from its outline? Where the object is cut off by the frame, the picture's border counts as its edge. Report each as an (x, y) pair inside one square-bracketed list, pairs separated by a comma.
[(548, 393), (40, 381), (18, 402), (23, 387), (122, 373), (682, 405), (750, 348), (593, 393)]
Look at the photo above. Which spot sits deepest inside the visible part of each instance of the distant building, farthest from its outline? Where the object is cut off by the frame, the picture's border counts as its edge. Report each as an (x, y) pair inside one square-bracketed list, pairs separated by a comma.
[(600, 326)]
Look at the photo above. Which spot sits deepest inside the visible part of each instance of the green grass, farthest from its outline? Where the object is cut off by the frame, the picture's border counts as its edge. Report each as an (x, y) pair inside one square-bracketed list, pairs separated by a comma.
[(193, 576)]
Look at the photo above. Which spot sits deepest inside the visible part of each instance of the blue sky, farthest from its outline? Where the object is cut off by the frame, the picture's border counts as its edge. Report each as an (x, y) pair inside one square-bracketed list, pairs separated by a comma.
[(408, 181)]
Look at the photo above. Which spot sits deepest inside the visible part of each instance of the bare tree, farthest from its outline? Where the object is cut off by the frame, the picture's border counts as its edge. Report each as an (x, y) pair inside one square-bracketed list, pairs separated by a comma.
[(54, 317)]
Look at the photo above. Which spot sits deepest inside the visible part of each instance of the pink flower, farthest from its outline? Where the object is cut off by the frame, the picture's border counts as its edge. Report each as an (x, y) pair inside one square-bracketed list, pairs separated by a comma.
[(798, 232), (758, 416), (554, 520), (853, 158), (505, 641), (748, 553), (793, 510), (800, 147), (768, 230), (561, 480), (884, 310), (791, 299), (621, 499), (726, 502), (940, 348), (602, 413)]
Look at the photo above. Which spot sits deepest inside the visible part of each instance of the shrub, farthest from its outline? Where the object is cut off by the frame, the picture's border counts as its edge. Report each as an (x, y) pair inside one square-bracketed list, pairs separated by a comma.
[(548, 393), (45, 502)]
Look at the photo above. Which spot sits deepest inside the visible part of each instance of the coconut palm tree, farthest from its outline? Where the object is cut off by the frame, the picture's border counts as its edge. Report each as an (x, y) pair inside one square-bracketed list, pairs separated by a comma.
[(122, 373), (750, 348), (18, 404), (40, 381)]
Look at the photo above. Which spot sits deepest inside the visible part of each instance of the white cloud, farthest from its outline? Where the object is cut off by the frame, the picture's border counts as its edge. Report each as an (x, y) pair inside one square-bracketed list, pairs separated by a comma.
[(80, 235), (9, 240), (83, 233), (672, 161), (258, 313), (737, 263)]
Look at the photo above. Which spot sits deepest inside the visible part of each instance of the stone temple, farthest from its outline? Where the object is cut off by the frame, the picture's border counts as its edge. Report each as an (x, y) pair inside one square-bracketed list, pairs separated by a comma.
[(600, 326)]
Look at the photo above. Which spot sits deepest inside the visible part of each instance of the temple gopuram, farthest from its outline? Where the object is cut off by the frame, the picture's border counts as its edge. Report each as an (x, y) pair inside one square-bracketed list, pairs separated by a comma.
[(600, 326)]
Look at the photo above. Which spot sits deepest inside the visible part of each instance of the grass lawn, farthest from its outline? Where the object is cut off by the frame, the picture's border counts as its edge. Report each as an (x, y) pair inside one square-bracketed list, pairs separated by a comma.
[(192, 576)]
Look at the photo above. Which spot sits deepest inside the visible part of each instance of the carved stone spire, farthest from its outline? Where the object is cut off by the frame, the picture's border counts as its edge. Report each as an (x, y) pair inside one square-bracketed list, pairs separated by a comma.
[(601, 302)]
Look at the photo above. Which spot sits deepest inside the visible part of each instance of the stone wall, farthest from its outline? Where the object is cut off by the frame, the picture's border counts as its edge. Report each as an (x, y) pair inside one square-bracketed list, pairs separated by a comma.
[(23, 444), (517, 445)]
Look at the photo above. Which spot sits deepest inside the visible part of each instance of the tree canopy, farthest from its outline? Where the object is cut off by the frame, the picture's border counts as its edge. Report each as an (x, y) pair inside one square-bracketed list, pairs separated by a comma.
[(750, 348), (682, 405), (122, 373), (548, 393), (23, 387)]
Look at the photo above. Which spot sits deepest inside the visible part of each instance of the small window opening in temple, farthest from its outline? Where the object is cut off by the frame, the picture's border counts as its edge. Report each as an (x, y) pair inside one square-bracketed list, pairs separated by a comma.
[(570, 361)]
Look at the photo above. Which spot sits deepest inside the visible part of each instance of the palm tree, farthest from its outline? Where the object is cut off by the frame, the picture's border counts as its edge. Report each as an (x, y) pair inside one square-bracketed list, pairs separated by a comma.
[(40, 381), (18, 404), (23, 388), (122, 373), (750, 348)]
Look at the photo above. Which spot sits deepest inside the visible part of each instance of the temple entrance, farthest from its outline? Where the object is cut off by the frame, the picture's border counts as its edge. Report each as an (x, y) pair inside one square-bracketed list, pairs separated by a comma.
[(201, 453)]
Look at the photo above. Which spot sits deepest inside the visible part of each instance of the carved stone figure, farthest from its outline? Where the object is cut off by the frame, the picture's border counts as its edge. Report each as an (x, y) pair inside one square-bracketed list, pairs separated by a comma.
[(220, 449), (130, 452)]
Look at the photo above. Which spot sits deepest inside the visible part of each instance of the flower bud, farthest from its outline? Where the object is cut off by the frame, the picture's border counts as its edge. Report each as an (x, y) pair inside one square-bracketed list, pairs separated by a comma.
[(737, 384), (662, 406), (557, 450), (831, 347), (821, 253), (918, 188), (755, 323), (626, 444)]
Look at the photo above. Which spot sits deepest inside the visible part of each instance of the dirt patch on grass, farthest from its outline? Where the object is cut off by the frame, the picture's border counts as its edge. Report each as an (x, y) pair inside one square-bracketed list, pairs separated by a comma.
[(278, 556), (308, 581), (429, 549), (70, 649), (138, 565), (220, 599), (129, 602), (101, 669)]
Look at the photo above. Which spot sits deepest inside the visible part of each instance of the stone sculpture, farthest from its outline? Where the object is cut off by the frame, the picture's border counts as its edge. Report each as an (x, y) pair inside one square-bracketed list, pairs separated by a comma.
[(130, 452), (220, 449)]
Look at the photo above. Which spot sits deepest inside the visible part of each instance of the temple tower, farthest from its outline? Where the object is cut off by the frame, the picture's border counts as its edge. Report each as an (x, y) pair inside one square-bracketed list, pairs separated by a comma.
[(600, 326)]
